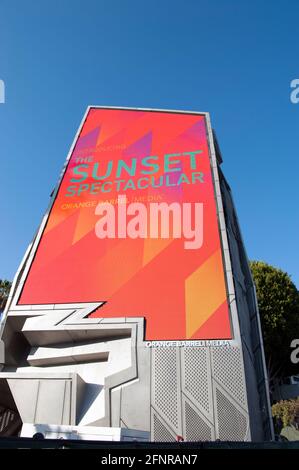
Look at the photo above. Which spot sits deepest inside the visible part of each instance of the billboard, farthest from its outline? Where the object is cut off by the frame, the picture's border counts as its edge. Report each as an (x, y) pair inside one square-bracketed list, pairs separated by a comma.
[(134, 225)]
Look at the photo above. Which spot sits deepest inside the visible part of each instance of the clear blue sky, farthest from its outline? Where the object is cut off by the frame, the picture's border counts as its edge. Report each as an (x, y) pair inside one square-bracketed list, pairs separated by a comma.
[(233, 58)]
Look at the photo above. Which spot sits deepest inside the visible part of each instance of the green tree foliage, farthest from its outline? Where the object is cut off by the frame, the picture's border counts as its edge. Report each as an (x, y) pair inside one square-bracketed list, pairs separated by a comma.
[(286, 410), (4, 291), (278, 300)]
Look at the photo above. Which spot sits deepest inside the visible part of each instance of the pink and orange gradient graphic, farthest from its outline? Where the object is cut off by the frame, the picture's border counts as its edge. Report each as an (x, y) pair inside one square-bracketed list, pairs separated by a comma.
[(181, 293)]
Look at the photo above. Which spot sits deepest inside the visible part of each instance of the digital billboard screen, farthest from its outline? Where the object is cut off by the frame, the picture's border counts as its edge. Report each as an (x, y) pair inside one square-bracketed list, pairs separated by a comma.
[(134, 224)]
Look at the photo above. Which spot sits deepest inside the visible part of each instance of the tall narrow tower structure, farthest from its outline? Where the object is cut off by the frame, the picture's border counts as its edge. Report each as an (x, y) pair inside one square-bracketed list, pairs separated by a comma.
[(133, 313)]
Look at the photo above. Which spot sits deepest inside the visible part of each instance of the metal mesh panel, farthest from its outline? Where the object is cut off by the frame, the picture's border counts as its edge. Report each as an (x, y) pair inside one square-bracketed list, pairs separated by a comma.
[(196, 427), (166, 396), (161, 433), (196, 376), (232, 424), (228, 370)]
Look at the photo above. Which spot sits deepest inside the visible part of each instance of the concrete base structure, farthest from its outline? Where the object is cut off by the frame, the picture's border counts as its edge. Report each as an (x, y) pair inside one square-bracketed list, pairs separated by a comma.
[(35, 394), (84, 433)]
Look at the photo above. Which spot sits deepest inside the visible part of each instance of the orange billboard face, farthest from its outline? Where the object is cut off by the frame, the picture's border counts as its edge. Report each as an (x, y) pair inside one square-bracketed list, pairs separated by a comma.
[(134, 224)]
